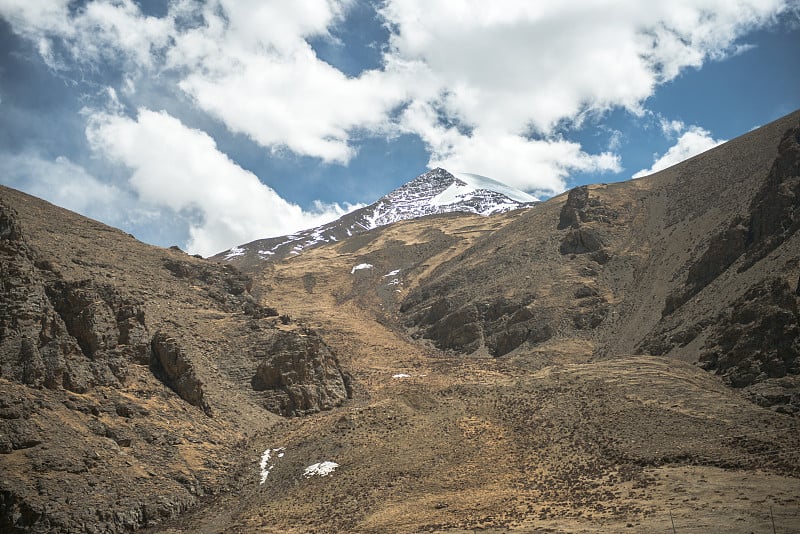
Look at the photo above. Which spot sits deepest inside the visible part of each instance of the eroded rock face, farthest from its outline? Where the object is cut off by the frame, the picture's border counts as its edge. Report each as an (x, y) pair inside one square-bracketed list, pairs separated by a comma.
[(55, 333), (174, 367), (757, 338), (501, 325), (774, 217), (301, 375), (581, 208), (584, 217), (224, 283)]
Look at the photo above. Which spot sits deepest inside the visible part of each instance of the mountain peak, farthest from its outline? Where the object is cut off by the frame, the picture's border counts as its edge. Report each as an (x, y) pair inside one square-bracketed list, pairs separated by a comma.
[(433, 192)]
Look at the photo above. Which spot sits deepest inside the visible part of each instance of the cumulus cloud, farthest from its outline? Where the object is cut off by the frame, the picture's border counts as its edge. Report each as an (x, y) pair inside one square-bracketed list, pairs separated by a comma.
[(181, 168), (507, 68), (536, 165), (693, 141), (250, 66), (101, 29), (503, 70), (513, 64), (487, 86), (65, 184)]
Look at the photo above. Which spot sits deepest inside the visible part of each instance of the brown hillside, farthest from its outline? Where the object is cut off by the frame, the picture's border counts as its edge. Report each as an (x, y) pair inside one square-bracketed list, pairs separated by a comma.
[(616, 359)]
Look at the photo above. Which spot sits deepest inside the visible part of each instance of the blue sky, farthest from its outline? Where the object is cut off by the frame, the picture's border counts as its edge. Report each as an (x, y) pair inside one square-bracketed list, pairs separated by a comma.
[(210, 123)]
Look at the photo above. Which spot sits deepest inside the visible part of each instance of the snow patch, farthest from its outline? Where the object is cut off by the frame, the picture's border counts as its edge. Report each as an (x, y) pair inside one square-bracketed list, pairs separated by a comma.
[(393, 273), (455, 192), (360, 266), (476, 181), (401, 375), (321, 469), (265, 466), (235, 251)]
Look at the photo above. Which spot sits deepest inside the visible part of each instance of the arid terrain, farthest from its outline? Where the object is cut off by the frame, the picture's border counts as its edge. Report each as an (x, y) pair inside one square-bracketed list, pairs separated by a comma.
[(621, 358)]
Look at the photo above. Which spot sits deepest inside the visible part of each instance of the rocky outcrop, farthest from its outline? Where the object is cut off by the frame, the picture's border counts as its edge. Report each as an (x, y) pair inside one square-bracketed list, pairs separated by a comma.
[(580, 208), (583, 216), (55, 333), (757, 338), (300, 374), (501, 325), (173, 366), (225, 284), (774, 216), (581, 241)]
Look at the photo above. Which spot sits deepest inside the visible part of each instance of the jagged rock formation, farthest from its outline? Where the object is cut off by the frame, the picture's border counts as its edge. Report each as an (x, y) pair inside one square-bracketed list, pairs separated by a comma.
[(757, 337), (301, 374), (774, 216), (105, 382), (460, 316), (500, 325), (176, 370), (58, 334)]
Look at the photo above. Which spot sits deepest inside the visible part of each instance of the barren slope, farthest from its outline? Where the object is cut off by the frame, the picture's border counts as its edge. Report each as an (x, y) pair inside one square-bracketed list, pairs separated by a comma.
[(504, 374), (128, 388)]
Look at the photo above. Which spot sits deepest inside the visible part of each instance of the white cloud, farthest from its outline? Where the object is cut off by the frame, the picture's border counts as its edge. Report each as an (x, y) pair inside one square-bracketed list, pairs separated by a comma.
[(65, 184), (110, 29), (507, 65), (251, 66), (693, 141), (504, 68), (540, 166), (181, 168), (670, 128), (485, 84)]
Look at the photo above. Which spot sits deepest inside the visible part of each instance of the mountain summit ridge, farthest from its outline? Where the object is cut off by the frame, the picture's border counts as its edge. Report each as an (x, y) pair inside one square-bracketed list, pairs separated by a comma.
[(437, 191)]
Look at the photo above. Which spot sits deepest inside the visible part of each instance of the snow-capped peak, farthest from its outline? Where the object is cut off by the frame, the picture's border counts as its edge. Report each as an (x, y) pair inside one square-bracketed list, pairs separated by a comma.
[(434, 192)]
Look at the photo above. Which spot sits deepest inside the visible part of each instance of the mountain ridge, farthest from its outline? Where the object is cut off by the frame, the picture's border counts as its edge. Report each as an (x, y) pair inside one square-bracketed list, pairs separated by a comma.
[(434, 192), (621, 357)]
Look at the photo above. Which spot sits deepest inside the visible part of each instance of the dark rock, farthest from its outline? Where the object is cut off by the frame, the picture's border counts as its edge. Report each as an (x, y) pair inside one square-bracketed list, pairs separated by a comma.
[(587, 319), (582, 240), (256, 310), (301, 374), (500, 324), (757, 338), (172, 366), (16, 514), (724, 249), (55, 333), (585, 291), (577, 199), (580, 207), (782, 392), (223, 283), (125, 410), (774, 216), (459, 330), (21, 433), (88, 317)]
